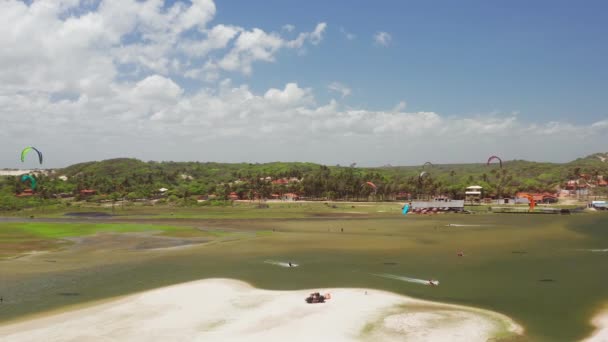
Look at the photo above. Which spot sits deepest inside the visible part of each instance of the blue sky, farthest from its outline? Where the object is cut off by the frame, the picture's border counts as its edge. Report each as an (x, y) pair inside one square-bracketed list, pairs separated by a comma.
[(544, 59), (372, 82)]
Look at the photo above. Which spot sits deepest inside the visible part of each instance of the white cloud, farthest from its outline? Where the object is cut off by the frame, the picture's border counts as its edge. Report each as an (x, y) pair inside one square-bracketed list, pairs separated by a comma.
[(314, 37), (291, 96), (347, 35), (150, 118), (251, 46), (197, 15), (109, 83), (217, 38), (257, 45), (340, 88), (383, 38), (61, 52), (288, 28), (400, 106), (156, 88)]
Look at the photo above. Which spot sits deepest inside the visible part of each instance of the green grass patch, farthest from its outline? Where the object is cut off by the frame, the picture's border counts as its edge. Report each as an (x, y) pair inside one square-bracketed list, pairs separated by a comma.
[(63, 230), (19, 238)]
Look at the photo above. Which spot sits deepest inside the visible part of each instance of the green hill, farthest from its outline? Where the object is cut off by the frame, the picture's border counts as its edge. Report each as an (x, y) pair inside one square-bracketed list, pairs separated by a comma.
[(138, 179)]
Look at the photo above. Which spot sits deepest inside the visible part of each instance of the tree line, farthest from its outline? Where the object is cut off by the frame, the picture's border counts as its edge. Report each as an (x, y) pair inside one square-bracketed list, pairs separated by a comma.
[(134, 179)]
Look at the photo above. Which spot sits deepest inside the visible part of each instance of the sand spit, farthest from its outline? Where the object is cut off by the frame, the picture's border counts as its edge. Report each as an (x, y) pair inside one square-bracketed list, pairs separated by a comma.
[(600, 322), (230, 310)]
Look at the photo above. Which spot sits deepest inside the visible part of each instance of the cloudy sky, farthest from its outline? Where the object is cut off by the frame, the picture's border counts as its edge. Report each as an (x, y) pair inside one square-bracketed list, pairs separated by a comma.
[(380, 82)]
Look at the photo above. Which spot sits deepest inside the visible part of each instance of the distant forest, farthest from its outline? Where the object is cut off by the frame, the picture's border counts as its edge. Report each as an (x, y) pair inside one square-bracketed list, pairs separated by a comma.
[(135, 179)]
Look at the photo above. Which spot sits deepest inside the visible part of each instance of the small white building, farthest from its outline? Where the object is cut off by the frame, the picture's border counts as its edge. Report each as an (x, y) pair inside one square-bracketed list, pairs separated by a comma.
[(14, 172), (473, 194)]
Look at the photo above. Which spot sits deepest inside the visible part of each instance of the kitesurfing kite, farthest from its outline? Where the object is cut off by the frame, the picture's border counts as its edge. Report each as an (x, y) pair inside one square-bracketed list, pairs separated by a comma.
[(28, 150), (531, 201), (372, 185), (494, 158), (422, 174), (32, 180)]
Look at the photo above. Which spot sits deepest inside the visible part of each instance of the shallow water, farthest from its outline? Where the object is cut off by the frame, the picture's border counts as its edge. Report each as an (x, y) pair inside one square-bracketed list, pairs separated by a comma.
[(508, 259)]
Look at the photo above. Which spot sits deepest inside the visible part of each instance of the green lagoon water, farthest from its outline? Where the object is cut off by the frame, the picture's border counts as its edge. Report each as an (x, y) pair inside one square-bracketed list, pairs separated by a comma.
[(540, 270)]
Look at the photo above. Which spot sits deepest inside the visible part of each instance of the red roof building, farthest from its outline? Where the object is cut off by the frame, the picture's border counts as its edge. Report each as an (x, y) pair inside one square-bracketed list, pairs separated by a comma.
[(291, 196), (539, 197), (87, 192), (26, 193)]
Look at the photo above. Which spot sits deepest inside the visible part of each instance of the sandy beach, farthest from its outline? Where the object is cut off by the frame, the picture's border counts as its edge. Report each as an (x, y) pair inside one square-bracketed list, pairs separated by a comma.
[(600, 322), (230, 310)]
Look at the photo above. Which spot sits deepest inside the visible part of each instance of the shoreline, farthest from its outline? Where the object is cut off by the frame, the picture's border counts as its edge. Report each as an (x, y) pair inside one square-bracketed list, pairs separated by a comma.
[(228, 309), (600, 322)]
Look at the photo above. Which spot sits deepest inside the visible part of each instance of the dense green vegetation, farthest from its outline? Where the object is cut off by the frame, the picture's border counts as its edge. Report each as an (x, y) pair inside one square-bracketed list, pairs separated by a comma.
[(133, 179)]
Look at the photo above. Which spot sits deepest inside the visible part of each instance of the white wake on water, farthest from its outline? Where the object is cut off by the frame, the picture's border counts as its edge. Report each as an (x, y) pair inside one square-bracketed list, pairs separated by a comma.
[(408, 279), (281, 263)]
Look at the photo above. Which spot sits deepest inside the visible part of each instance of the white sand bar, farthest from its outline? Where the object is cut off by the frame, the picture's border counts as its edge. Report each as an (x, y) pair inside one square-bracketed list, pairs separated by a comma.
[(600, 321), (229, 310)]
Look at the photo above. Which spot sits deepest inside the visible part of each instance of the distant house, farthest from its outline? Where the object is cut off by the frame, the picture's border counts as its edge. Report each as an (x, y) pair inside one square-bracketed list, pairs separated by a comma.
[(87, 192), (473, 194), (285, 181), (26, 193), (290, 197), (545, 197), (571, 185), (14, 172), (450, 205), (403, 196), (579, 188), (233, 196), (159, 193)]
